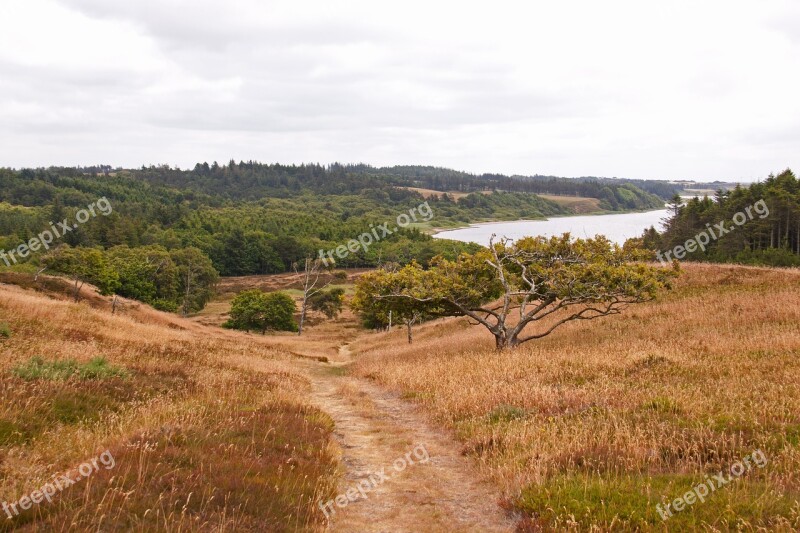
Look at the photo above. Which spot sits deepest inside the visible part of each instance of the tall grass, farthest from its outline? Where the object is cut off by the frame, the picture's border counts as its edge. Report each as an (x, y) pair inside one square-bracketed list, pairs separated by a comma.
[(211, 430), (591, 427)]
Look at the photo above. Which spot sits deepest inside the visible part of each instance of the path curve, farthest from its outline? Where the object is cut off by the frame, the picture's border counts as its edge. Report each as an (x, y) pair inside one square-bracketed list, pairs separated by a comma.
[(379, 432)]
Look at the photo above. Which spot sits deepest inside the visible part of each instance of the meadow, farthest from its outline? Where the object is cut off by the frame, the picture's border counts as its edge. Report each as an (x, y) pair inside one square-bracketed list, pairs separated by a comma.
[(209, 429), (592, 427)]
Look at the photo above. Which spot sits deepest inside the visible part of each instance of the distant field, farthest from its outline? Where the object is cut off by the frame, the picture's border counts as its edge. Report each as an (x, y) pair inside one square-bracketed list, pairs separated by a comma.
[(588, 429), (427, 193), (577, 204)]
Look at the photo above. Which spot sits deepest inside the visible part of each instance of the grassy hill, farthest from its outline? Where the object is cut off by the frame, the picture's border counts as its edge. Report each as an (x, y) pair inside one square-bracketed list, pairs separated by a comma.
[(587, 429), (593, 426), (209, 429)]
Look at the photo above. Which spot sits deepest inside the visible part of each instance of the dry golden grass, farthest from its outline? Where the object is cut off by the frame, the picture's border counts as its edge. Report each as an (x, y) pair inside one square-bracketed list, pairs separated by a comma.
[(592, 426), (577, 204), (211, 429), (427, 193)]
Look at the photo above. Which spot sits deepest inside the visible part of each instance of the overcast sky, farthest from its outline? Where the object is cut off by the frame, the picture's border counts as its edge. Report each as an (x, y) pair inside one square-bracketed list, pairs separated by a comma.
[(671, 90)]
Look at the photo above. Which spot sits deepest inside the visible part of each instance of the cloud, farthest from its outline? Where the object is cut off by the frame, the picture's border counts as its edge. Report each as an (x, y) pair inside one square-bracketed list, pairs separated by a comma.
[(616, 88)]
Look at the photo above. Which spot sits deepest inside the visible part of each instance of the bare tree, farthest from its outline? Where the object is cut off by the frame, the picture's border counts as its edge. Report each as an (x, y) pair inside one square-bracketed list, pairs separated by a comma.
[(312, 270)]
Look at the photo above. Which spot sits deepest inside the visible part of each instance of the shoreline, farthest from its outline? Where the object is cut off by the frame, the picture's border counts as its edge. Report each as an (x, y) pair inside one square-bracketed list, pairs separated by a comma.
[(435, 231)]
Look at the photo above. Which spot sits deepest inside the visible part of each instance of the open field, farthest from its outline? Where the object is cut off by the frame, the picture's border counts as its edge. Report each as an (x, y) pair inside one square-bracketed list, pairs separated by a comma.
[(596, 424), (209, 429), (427, 193), (576, 204), (587, 429)]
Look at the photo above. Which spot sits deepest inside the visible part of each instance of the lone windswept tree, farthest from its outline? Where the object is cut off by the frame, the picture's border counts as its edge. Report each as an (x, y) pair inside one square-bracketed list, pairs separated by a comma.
[(525, 290)]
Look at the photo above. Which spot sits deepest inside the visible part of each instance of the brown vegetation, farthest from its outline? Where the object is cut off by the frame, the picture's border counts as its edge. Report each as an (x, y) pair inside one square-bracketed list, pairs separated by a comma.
[(210, 429), (594, 425)]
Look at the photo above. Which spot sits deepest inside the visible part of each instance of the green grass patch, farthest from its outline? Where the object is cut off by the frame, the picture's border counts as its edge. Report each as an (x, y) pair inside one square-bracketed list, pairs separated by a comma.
[(629, 503), (5, 331), (37, 368), (12, 433)]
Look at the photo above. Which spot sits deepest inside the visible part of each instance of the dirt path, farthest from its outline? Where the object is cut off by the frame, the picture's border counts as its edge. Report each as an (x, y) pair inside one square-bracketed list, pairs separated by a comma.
[(412, 476)]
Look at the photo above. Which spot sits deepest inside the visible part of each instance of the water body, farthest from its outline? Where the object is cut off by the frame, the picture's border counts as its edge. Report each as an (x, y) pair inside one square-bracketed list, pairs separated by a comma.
[(617, 227)]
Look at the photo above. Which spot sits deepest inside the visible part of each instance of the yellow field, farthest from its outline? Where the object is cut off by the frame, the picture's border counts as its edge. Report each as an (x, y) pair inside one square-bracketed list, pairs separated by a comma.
[(587, 429), (576, 204), (596, 424), (210, 429)]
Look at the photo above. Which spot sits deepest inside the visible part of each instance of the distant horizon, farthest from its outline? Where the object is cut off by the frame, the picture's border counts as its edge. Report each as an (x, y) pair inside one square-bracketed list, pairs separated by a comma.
[(698, 91), (308, 163)]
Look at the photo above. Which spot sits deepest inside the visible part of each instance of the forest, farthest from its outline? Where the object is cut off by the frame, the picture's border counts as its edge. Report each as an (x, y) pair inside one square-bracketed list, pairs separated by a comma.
[(250, 218), (772, 240)]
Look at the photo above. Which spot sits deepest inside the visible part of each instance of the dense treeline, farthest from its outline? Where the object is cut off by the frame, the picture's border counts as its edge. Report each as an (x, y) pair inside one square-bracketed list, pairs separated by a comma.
[(241, 237), (614, 194), (251, 218), (765, 231), (251, 180)]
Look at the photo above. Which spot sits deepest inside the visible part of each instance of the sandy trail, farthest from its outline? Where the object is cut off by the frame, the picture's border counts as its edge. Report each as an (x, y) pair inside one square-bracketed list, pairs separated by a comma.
[(379, 432)]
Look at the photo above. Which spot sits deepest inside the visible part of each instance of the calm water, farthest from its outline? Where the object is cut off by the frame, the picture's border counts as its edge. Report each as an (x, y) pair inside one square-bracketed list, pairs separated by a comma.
[(618, 228)]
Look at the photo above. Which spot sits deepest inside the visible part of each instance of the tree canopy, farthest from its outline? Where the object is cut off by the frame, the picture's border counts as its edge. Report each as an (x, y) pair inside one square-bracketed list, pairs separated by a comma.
[(523, 290), (259, 311)]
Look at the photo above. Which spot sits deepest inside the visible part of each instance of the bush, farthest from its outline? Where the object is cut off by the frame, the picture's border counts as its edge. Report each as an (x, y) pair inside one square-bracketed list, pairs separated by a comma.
[(259, 311), (38, 368), (328, 302)]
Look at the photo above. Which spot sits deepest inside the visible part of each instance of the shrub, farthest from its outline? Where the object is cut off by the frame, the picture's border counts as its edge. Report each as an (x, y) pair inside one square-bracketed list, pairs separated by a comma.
[(328, 302), (259, 311), (5, 331)]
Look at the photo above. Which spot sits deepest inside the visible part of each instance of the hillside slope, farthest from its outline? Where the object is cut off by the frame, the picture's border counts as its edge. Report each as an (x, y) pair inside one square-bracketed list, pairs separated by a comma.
[(595, 425), (209, 429)]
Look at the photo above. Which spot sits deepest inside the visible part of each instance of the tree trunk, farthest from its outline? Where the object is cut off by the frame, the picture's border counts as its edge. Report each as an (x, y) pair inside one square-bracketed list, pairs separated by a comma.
[(188, 289), (77, 292), (408, 324), (302, 318), (504, 341)]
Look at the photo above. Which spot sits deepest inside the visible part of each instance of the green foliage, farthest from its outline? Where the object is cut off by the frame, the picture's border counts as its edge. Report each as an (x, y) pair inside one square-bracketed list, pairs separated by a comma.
[(769, 234), (255, 310), (560, 277), (168, 280), (374, 299), (84, 265), (37, 368), (5, 331), (196, 278), (329, 302), (251, 218)]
